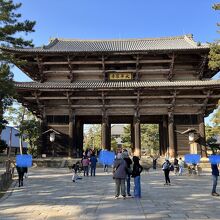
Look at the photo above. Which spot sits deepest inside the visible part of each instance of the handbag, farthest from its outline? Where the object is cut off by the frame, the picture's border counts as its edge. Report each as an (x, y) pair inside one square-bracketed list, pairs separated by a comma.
[(114, 170)]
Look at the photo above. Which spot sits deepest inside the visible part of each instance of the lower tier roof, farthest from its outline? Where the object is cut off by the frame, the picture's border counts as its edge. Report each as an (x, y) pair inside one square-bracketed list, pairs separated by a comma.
[(117, 84)]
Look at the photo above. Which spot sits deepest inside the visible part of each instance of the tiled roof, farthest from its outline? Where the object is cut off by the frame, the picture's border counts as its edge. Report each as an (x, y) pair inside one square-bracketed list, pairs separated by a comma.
[(185, 42), (117, 84)]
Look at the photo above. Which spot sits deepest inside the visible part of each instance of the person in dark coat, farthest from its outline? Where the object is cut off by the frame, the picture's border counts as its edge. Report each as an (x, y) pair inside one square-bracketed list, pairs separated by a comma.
[(93, 161), (20, 171), (166, 170), (128, 178), (119, 174), (137, 169), (215, 174)]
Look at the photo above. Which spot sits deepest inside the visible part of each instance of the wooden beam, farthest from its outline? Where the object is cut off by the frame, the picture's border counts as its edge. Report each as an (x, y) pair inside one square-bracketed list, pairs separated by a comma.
[(123, 97), (95, 62), (161, 71), (130, 106)]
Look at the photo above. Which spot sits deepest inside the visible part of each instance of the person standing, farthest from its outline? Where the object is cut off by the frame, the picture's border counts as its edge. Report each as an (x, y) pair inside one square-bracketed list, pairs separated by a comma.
[(215, 174), (85, 163), (128, 178), (176, 166), (137, 169), (166, 170), (119, 174), (93, 161), (154, 162)]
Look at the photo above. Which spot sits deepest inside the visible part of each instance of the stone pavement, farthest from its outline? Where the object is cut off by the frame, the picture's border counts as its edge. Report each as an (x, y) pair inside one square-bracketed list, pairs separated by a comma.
[(49, 193)]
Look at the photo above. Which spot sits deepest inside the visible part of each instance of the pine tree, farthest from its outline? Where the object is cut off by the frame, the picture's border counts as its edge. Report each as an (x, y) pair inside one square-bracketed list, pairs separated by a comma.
[(214, 54), (11, 30)]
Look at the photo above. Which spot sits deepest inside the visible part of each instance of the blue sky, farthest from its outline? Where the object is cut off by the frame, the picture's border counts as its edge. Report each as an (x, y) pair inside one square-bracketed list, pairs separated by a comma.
[(100, 19)]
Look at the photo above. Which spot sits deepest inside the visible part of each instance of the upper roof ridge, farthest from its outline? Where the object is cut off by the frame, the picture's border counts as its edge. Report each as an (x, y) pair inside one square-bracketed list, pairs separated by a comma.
[(188, 36)]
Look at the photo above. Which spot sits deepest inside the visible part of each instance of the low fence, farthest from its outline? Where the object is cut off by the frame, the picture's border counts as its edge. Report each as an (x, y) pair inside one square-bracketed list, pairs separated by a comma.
[(5, 180)]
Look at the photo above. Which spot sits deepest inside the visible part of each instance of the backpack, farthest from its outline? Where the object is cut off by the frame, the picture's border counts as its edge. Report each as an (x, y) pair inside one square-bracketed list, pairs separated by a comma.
[(165, 166), (171, 167)]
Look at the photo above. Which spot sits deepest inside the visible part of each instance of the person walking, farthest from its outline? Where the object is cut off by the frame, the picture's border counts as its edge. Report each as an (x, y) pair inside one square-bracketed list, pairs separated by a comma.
[(166, 170), (119, 174), (181, 166), (215, 174), (20, 171), (129, 171), (137, 169), (93, 161)]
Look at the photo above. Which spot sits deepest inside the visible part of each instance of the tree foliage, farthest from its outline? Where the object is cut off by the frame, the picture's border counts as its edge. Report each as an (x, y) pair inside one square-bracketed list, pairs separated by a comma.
[(149, 138), (212, 132), (11, 31)]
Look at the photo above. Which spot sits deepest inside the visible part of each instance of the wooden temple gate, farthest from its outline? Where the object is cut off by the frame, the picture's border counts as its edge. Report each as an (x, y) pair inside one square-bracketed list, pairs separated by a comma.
[(162, 80)]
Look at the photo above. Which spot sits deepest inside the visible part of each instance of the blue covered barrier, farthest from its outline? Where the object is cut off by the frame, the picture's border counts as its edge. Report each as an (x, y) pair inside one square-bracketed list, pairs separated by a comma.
[(192, 158), (214, 159), (106, 157), (24, 160)]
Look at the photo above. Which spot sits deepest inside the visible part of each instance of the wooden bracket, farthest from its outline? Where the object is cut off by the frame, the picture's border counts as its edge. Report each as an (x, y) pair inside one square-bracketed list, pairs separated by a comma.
[(40, 68), (137, 77), (202, 67), (70, 67), (171, 72)]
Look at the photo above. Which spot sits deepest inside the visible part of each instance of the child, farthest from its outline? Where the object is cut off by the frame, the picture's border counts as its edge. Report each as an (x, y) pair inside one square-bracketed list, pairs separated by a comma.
[(75, 176), (137, 169)]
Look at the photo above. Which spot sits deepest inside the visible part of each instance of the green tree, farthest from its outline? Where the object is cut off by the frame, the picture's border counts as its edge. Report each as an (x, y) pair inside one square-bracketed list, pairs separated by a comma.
[(126, 137), (27, 125), (214, 54), (93, 137), (31, 133), (11, 30), (149, 137)]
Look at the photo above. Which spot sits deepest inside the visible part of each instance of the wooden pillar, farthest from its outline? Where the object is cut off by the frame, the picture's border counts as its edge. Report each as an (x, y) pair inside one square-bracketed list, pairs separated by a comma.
[(79, 138), (132, 137), (106, 133), (202, 138), (71, 130), (172, 152), (161, 138), (43, 147), (137, 136), (165, 141)]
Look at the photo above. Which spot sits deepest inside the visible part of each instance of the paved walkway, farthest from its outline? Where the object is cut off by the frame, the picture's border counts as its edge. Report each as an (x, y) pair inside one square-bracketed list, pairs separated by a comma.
[(50, 194)]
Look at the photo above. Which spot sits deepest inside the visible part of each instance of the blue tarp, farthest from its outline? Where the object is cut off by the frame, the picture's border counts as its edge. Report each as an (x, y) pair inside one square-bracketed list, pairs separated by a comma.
[(192, 158), (24, 160), (214, 159), (106, 157)]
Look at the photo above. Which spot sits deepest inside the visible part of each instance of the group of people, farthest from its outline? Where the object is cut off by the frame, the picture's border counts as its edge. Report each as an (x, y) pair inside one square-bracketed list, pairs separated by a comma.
[(123, 171)]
